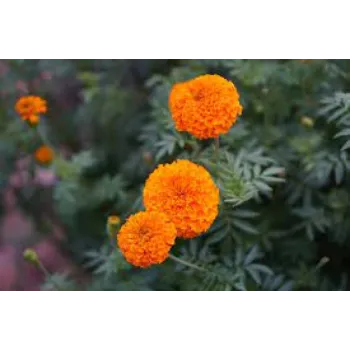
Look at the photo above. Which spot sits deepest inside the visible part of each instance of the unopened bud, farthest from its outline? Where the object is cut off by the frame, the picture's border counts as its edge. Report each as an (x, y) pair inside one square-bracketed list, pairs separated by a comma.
[(147, 157), (307, 121), (113, 223), (31, 256)]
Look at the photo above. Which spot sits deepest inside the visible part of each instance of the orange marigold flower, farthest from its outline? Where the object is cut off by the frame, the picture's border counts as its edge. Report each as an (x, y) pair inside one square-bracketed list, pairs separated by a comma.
[(186, 193), (206, 106), (146, 238), (44, 154), (30, 105)]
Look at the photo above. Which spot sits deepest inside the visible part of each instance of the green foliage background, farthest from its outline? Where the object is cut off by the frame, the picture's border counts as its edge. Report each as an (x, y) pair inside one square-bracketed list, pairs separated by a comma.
[(283, 169)]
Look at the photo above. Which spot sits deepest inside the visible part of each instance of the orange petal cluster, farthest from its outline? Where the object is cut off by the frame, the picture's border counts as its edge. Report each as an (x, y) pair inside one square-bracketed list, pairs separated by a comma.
[(146, 238), (206, 106), (44, 155), (30, 107), (186, 193)]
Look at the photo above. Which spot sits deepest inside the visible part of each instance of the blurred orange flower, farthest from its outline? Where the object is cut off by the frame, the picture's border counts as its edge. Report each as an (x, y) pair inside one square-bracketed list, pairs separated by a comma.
[(44, 155), (206, 106), (146, 238), (27, 106), (186, 193)]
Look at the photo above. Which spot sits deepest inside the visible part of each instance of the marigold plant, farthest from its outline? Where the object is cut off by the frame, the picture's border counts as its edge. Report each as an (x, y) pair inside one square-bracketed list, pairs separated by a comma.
[(283, 172), (186, 193), (206, 106), (146, 238), (27, 106), (44, 155)]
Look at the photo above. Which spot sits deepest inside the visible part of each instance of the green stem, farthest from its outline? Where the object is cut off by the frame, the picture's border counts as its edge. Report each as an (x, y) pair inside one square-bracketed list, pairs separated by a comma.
[(47, 274), (216, 155), (217, 149), (112, 243), (42, 134), (186, 263), (196, 152), (44, 270)]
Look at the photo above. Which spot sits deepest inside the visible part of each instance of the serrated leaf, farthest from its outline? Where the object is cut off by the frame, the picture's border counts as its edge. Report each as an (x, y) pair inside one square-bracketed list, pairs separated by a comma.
[(337, 114), (345, 132), (270, 179), (245, 227), (254, 274), (217, 237), (261, 186), (272, 171), (239, 257), (346, 146), (252, 255), (261, 268)]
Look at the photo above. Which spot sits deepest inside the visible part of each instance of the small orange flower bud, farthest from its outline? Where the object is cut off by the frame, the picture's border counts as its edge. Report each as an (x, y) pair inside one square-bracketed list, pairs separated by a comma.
[(113, 220), (113, 223), (33, 120)]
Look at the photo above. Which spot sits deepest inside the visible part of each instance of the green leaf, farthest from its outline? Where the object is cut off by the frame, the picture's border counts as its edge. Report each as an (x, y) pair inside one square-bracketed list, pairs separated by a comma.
[(254, 274), (272, 171), (252, 255), (261, 186), (345, 132), (216, 237), (245, 227), (261, 268), (346, 145)]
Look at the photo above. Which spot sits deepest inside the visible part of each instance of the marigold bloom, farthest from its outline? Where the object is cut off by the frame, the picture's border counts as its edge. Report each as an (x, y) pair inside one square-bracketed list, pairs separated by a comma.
[(186, 193), (146, 238), (206, 106), (44, 155), (30, 105)]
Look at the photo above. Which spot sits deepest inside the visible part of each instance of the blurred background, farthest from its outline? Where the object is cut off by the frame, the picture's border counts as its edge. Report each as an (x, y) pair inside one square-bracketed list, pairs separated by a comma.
[(89, 102), (110, 123)]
